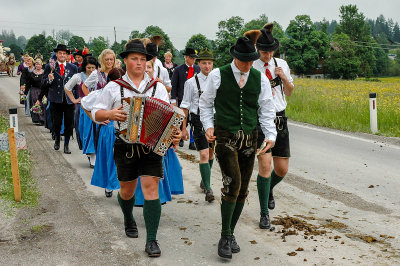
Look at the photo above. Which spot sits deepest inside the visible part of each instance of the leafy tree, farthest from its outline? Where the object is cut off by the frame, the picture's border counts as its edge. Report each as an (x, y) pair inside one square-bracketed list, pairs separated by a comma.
[(98, 45), (63, 36), (118, 47), (42, 44), (396, 33), (342, 61), (354, 25), (15, 49), (382, 62), (198, 42), (8, 37), (255, 24), (76, 42), (21, 41), (155, 30), (228, 32), (305, 46)]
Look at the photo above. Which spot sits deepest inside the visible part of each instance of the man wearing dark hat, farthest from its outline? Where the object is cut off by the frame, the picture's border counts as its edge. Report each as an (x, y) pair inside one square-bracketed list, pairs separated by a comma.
[(181, 74), (190, 104), (60, 105), (278, 73), (241, 96), (134, 160), (78, 58)]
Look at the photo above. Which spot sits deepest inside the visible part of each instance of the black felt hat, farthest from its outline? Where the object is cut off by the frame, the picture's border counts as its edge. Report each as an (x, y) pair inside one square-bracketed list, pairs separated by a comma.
[(152, 49), (60, 47), (190, 52), (266, 41), (244, 50), (135, 46)]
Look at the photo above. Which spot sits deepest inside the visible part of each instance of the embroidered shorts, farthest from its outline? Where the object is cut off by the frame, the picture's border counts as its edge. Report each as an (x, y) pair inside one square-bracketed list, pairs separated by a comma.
[(235, 154)]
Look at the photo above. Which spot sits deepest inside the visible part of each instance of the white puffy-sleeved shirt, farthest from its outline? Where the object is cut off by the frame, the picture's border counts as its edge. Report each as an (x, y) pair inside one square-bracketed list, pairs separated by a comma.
[(164, 76), (94, 78), (279, 99), (266, 110), (88, 101), (75, 80), (191, 97), (110, 97)]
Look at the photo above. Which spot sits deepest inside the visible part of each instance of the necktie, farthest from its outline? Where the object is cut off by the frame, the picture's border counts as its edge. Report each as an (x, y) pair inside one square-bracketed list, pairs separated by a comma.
[(62, 69), (241, 81), (267, 72), (190, 73)]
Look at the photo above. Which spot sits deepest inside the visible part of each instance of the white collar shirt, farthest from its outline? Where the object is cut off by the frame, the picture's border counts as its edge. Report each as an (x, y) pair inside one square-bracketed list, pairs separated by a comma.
[(279, 99), (191, 97), (110, 97), (266, 110), (164, 76)]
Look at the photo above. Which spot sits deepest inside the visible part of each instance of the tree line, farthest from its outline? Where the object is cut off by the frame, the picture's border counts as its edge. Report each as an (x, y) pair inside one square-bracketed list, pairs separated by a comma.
[(354, 46)]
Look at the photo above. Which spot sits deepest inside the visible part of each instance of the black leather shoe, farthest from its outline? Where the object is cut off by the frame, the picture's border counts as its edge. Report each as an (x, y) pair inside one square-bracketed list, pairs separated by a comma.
[(234, 245), (271, 201), (224, 247), (131, 230), (181, 143), (192, 146), (209, 195), (152, 249), (57, 144), (108, 193), (66, 149), (264, 221)]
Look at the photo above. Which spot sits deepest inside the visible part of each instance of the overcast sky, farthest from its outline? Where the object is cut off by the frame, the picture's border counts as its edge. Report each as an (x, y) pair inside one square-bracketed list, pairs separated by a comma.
[(180, 19)]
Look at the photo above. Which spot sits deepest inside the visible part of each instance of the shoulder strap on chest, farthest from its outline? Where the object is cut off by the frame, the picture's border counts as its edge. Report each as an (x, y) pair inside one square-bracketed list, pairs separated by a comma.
[(276, 63), (126, 85), (198, 84), (158, 74)]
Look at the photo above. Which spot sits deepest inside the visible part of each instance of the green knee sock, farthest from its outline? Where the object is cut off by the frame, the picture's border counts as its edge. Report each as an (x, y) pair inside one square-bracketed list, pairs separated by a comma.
[(205, 172), (275, 179), (151, 214), (227, 209), (263, 187), (210, 162), (236, 214), (127, 207)]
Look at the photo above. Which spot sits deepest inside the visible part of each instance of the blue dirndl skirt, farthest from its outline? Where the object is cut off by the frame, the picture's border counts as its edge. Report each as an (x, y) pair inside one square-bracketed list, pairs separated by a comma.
[(173, 169), (76, 125), (105, 171), (86, 133)]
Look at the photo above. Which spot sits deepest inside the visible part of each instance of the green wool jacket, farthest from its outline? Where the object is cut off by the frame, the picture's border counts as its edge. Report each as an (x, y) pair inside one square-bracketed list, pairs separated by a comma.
[(237, 108)]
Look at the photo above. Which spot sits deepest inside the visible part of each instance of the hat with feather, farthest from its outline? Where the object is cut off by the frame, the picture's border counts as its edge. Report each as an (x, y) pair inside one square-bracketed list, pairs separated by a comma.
[(266, 41), (244, 49)]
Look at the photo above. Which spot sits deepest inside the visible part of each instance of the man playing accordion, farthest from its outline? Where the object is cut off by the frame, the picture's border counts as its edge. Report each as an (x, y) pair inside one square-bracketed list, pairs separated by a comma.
[(134, 160)]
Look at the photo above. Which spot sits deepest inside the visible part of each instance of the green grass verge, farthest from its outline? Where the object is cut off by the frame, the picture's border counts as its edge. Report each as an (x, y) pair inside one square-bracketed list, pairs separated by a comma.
[(29, 192), (344, 105)]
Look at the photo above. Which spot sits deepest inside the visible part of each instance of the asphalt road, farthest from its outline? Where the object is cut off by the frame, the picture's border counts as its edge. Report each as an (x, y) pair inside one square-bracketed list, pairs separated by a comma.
[(329, 186)]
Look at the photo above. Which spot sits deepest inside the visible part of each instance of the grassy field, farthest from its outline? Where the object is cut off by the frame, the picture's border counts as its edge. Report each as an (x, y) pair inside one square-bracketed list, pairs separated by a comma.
[(344, 105), (29, 192)]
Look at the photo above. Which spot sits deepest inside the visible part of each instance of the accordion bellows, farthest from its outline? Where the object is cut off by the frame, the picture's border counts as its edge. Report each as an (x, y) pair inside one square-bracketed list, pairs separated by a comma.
[(151, 122)]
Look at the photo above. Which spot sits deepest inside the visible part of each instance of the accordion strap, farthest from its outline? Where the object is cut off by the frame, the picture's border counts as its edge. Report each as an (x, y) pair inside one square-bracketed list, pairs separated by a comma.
[(279, 79)]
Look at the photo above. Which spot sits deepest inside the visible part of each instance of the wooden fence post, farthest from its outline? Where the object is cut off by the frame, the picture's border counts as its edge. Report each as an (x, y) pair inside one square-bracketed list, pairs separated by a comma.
[(14, 164)]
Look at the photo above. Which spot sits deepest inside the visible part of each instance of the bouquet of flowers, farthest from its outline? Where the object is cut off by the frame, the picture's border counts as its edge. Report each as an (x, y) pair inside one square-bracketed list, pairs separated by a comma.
[(36, 109), (22, 96), (44, 100)]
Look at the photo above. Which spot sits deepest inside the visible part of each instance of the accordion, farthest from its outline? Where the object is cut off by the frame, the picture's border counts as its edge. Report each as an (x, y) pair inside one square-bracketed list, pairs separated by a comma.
[(151, 122)]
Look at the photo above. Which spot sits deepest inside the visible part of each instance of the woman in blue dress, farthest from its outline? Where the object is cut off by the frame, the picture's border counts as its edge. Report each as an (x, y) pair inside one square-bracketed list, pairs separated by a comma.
[(83, 124), (105, 171)]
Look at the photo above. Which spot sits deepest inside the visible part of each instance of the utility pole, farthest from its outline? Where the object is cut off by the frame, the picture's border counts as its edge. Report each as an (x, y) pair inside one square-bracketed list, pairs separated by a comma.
[(115, 35)]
